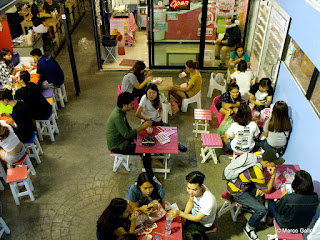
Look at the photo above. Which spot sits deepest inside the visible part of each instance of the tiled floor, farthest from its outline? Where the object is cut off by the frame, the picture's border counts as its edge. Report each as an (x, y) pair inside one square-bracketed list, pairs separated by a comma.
[(75, 182)]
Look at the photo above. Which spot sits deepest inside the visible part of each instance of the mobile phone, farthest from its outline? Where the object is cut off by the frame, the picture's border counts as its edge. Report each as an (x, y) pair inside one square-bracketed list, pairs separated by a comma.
[(288, 187)]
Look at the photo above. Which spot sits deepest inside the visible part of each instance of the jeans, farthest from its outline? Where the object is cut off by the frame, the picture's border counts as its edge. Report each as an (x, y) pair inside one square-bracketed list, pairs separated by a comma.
[(265, 146), (272, 211), (248, 200), (130, 149)]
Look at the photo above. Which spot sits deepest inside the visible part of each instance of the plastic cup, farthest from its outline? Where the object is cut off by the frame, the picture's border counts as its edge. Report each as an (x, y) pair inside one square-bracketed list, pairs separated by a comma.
[(149, 130), (182, 75)]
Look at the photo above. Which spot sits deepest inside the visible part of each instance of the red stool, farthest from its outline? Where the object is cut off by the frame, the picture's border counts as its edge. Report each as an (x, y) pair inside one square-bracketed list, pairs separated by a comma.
[(19, 177), (211, 229), (229, 205), (25, 160), (280, 234), (199, 116), (214, 109), (210, 142)]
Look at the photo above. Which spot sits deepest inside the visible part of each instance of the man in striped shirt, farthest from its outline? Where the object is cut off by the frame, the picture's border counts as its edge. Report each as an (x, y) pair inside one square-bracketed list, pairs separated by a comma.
[(251, 186)]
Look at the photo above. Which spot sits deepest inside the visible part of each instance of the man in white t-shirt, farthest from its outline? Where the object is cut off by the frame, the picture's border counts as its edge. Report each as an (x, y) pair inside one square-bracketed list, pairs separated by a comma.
[(201, 208)]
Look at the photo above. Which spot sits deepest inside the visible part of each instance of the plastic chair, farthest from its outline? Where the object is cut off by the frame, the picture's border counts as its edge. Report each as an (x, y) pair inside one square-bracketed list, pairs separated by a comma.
[(214, 85), (214, 109), (229, 205), (135, 101), (281, 234), (186, 101), (166, 110)]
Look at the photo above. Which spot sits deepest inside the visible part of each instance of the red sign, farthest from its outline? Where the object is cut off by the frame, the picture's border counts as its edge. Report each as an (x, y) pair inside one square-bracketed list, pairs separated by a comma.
[(179, 4)]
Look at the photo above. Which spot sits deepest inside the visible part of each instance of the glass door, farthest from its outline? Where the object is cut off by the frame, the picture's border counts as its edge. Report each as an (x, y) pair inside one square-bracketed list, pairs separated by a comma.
[(174, 35), (273, 44)]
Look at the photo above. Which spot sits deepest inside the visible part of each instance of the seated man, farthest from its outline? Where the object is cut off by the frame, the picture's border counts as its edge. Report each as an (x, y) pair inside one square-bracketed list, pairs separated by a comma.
[(120, 136), (201, 208), (250, 185), (231, 38), (50, 72)]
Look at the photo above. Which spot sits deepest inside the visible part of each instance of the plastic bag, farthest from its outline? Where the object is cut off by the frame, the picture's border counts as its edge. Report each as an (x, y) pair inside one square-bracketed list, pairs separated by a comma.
[(224, 126), (278, 181), (174, 106), (219, 78), (289, 175), (153, 216)]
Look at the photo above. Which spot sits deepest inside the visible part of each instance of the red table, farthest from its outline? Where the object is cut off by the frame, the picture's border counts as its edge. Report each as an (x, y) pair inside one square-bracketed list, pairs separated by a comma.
[(166, 149), (276, 194), (176, 229)]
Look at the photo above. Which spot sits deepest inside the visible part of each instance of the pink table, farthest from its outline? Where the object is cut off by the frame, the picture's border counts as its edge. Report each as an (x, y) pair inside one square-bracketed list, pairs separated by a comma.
[(201, 115), (176, 229), (210, 143), (165, 149), (276, 194)]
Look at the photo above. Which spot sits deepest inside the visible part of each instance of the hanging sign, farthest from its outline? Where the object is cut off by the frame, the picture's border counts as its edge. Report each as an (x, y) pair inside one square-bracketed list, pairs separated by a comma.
[(179, 4)]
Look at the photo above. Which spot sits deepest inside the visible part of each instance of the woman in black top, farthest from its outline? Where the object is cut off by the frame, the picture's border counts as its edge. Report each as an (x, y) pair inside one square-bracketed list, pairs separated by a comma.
[(20, 114), (30, 93), (50, 6), (117, 220)]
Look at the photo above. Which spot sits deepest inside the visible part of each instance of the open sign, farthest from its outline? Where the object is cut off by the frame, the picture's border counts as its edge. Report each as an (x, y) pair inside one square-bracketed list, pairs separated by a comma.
[(179, 4)]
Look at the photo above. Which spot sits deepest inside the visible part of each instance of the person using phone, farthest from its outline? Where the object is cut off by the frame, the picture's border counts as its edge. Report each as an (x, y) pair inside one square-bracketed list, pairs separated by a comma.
[(141, 194), (295, 210)]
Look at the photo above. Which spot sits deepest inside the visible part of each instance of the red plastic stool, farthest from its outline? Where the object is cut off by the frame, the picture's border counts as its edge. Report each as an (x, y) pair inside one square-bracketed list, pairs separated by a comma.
[(19, 177), (229, 205), (199, 116), (25, 160), (210, 142), (280, 234)]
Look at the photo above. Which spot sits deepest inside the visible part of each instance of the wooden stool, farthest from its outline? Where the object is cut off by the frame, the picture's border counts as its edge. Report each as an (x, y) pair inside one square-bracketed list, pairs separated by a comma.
[(25, 160), (120, 159), (47, 127), (19, 177), (210, 142), (199, 116), (61, 94), (33, 146), (4, 227), (281, 234), (229, 205)]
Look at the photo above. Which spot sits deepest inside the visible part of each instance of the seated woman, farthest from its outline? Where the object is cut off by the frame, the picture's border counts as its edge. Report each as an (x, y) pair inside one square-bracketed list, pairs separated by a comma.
[(241, 134), (20, 114), (11, 149), (6, 66), (38, 20), (295, 210), (243, 77), (239, 54), (150, 106), (117, 220), (230, 101), (277, 129), (30, 93), (261, 94), (193, 85), (143, 192), (135, 80)]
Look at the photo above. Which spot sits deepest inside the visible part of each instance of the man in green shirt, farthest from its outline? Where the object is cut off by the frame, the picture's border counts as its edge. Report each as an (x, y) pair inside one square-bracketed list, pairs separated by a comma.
[(120, 136)]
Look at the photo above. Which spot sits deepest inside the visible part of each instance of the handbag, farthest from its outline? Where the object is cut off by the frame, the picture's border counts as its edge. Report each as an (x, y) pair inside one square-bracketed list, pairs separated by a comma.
[(148, 141), (174, 106)]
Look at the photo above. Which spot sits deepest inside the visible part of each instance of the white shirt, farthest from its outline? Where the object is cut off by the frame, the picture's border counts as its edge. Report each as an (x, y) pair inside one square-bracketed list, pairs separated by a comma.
[(243, 80), (9, 143), (243, 136), (148, 111), (207, 205)]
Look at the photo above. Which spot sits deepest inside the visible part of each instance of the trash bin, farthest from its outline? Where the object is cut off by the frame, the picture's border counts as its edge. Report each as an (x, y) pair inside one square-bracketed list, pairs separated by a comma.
[(110, 45)]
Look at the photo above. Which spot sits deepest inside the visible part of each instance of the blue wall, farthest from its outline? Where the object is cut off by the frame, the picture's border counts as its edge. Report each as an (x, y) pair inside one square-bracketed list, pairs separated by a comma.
[(303, 147), (304, 27)]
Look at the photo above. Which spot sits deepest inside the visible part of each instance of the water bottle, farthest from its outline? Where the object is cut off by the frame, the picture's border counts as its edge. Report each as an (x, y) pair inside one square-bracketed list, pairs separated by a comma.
[(156, 237), (168, 228)]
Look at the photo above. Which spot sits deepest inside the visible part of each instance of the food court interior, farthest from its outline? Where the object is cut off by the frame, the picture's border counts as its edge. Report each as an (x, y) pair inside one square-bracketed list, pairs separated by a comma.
[(75, 181)]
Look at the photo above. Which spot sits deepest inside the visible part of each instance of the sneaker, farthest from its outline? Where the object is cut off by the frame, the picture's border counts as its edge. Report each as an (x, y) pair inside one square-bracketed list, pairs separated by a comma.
[(182, 148), (250, 234), (156, 180)]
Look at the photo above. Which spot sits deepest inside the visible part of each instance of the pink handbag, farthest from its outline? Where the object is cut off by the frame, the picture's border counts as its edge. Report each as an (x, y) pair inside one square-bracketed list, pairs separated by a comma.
[(174, 106)]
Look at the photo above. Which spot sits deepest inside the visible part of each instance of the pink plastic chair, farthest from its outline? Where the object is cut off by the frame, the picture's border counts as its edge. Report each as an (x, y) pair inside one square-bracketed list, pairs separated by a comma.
[(213, 108), (136, 104)]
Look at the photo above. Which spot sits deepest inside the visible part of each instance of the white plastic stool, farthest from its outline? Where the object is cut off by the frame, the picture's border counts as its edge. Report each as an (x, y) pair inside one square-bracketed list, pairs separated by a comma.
[(61, 94), (231, 206), (47, 127), (214, 85), (166, 110), (19, 177), (120, 159), (25, 160), (54, 105), (4, 227), (34, 147), (186, 101)]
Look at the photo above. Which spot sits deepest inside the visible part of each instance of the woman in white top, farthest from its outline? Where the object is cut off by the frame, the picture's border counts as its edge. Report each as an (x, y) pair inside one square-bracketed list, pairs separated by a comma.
[(241, 134), (243, 78), (277, 129), (12, 150), (150, 106)]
